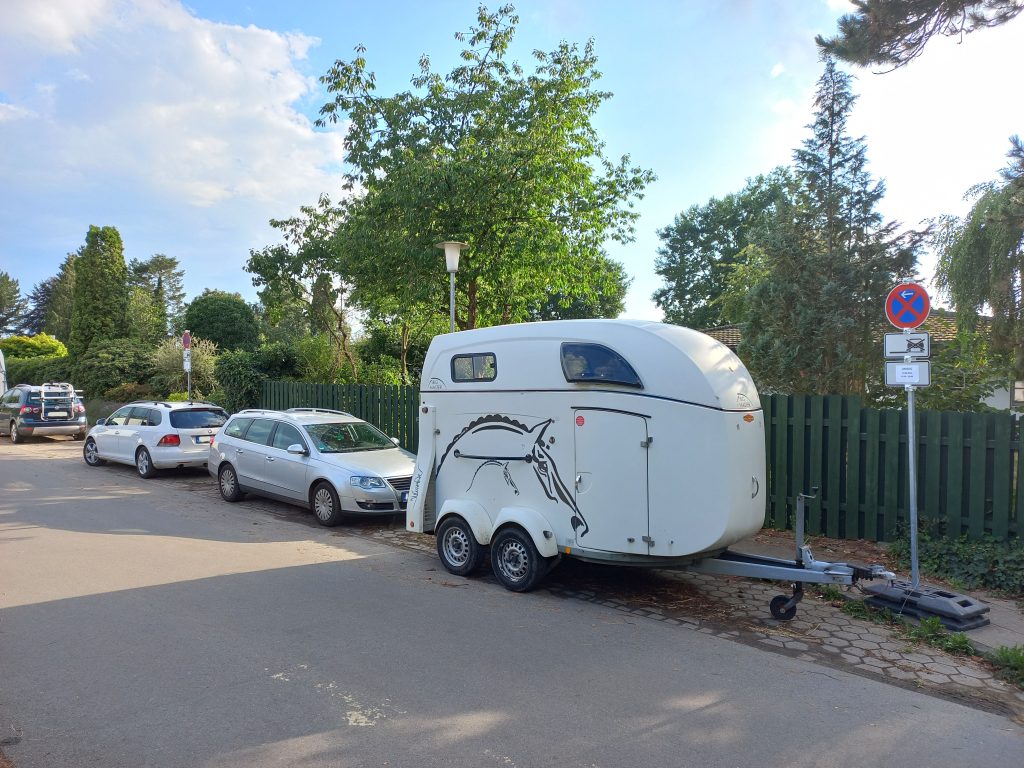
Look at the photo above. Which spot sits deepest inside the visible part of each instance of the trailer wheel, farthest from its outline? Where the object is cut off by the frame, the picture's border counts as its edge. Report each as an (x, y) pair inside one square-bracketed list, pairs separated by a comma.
[(515, 560), (458, 548), (778, 608)]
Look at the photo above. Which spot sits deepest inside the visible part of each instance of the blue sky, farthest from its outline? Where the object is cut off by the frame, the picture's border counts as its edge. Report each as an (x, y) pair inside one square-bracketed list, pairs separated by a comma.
[(189, 126)]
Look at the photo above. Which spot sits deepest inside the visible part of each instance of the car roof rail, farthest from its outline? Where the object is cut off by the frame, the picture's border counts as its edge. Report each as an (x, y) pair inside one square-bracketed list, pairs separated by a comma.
[(318, 410), (256, 410)]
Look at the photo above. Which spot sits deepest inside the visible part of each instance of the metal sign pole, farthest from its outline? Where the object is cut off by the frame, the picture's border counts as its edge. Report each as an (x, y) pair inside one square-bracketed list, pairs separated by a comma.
[(915, 577)]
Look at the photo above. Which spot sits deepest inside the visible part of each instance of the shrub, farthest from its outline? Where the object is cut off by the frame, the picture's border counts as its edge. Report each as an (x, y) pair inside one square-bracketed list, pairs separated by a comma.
[(319, 360), (169, 375), (125, 393), (240, 378), (967, 563), (25, 347), (277, 360), (38, 370), (108, 363)]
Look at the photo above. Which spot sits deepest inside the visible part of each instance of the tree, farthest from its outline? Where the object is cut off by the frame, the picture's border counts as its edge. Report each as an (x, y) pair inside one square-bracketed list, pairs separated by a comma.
[(147, 316), (894, 32), (100, 305), (39, 345), (604, 296), (161, 276), (12, 305), (60, 307), (823, 263), (703, 245), (981, 259), (223, 318), (169, 373), (507, 162), (34, 319)]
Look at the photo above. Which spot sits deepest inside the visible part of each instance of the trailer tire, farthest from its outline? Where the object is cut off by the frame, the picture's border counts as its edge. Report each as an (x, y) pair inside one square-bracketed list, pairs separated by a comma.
[(778, 609), (458, 548), (515, 560)]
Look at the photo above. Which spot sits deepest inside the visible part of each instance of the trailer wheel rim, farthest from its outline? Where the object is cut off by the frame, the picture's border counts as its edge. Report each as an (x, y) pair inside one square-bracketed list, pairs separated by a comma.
[(90, 452), (323, 504), (514, 560), (456, 546)]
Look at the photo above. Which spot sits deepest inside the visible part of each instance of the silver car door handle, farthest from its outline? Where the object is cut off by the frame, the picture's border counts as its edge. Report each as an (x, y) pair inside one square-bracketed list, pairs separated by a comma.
[(239, 451), (270, 458)]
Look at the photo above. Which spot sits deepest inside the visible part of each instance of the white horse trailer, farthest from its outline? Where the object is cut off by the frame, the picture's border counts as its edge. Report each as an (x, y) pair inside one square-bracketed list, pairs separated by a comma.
[(626, 442)]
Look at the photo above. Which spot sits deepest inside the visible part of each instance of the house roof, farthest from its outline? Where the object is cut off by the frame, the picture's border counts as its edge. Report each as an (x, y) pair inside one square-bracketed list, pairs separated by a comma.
[(941, 324)]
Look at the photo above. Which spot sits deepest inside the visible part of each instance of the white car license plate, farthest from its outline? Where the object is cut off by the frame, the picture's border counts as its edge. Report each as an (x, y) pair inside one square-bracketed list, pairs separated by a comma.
[(57, 414), (202, 439)]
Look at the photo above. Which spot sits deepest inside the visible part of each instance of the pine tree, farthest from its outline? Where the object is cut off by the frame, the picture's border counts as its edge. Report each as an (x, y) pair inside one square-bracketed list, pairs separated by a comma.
[(12, 305), (101, 291), (827, 261), (34, 320), (57, 321)]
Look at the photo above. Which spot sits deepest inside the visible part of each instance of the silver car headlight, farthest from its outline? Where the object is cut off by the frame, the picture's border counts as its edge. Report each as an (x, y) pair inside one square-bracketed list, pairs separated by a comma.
[(368, 483)]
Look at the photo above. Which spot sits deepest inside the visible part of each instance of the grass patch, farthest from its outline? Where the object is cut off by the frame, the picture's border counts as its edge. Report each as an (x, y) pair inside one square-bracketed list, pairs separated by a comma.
[(1009, 664)]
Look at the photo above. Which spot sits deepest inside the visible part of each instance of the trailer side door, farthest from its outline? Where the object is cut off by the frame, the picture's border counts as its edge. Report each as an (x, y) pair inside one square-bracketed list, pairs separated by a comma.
[(611, 480)]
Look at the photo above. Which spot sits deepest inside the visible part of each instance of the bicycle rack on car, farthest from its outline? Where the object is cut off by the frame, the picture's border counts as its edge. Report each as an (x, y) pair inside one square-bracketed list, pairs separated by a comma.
[(51, 391)]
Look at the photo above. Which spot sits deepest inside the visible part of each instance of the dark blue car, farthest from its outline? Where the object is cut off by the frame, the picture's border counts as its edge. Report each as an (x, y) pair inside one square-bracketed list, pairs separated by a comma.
[(50, 409)]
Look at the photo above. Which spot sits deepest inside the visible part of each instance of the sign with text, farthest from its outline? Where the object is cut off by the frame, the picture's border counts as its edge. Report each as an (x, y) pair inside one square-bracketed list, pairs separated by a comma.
[(917, 373), (908, 345), (187, 359)]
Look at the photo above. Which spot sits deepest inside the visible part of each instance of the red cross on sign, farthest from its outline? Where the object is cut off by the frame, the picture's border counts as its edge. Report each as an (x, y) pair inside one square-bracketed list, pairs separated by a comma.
[(907, 305)]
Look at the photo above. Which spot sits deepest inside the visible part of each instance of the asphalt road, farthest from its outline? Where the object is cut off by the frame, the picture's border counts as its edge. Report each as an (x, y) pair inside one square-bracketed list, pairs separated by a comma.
[(147, 623)]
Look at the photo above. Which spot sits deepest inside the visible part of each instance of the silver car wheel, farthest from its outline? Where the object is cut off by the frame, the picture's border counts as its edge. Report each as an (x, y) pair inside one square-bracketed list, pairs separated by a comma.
[(227, 482), (92, 455), (142, 463), (323, 503)]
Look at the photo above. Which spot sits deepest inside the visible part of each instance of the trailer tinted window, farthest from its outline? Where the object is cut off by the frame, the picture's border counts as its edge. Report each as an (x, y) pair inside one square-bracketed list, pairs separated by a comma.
[(594, 363), (481, 367)]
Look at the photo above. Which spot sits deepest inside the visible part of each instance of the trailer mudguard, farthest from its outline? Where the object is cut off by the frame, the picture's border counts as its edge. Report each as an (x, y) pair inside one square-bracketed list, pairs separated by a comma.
[(472, 513), (534, 523)]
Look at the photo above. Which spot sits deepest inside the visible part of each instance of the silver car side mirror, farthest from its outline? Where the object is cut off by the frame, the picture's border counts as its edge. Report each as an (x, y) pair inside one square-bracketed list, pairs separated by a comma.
[(396, 441), (100, 422), (297, 449)]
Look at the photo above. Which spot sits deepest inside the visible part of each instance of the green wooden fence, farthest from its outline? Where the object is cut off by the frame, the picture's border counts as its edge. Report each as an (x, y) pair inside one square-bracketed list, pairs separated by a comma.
[(970, 476)]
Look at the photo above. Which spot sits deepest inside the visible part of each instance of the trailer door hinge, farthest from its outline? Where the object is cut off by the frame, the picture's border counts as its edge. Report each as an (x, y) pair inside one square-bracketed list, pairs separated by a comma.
[(647, 540), (646, 443)]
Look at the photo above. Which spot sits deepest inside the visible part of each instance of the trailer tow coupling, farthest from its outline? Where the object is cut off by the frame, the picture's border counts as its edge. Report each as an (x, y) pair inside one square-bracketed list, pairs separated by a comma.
[(804, 569)]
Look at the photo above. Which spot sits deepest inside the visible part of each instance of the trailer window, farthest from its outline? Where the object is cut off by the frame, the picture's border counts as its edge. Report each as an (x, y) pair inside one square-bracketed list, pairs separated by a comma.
[(479, 367), (595, 363)]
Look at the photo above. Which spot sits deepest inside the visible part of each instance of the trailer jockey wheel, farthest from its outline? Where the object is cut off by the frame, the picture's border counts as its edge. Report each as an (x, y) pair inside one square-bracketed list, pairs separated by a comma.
[(779, 610)]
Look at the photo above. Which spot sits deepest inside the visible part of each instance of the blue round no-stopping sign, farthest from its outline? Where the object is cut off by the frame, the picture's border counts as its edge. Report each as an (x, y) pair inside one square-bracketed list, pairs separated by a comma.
[(907, 305)]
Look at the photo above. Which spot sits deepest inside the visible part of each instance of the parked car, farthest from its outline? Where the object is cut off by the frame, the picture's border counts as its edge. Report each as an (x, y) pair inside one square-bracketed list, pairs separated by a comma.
[(154, 435), (50, 409), (329, 461)]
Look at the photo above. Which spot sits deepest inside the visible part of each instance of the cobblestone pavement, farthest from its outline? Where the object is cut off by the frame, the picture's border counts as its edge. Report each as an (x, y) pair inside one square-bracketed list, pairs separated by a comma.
[(737, 609)]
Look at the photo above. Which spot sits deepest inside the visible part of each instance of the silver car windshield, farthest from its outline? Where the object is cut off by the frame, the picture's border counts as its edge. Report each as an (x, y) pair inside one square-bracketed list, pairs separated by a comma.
[(347, 437)]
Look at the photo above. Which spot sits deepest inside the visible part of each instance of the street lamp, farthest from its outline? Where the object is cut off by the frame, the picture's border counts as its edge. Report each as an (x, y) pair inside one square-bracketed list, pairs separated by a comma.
[(452, 250)]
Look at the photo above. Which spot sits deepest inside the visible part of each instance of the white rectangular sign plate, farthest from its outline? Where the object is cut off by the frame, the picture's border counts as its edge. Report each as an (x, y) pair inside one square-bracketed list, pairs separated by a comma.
[(912, 344), (187, 359), (918, 373)]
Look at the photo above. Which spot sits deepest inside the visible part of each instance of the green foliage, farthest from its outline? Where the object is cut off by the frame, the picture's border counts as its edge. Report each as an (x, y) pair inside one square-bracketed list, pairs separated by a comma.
[(110, 362), (100, 408), (40, 345), (931, 631), (33, 321), (964, 373), (706, 244), (1009, 663), (861, 610), (603, 294), (38, 370), (60, 307), (894, 32), (318, 360), (240, 379), (126, 393), (969, 564), (169, 373), (147, 318), (180, 397), (223, 318), (486, 154), (162, 278), (12, 305), (277, 360), (824, 262), (101, 292), (981, 260)]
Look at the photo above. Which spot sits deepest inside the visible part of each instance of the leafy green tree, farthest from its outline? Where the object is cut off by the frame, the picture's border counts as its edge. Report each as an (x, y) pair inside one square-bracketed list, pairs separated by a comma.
[(163, 278), (34, 319), (169, 373), (894, 32), (223, 318), (964, 373), (702, 248), (316, 360), (824, 262), (506, 161), (240, 379), (112, 362), (147, 317), (38, 345), (981, 259), (100, 305), (60, 307), (12, 305), (604, 295)]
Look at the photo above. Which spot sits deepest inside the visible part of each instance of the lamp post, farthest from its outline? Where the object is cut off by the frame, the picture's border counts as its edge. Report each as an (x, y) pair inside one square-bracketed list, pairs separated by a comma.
[(452, 249)]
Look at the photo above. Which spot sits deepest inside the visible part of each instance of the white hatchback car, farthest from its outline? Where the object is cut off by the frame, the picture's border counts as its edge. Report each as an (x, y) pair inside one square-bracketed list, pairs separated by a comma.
[(155, 435), (328, 461)]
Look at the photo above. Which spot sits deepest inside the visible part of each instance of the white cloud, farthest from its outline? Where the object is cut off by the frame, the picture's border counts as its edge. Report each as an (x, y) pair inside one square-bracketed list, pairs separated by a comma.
[(778, 69), (144, 105)]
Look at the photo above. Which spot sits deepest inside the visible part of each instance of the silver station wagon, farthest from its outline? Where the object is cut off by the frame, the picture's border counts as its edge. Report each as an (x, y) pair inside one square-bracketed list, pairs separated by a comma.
[(328, 461)]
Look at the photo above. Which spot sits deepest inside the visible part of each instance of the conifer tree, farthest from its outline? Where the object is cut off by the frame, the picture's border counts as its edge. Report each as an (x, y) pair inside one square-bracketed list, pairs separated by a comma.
[(57, 321), (101, 291)]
